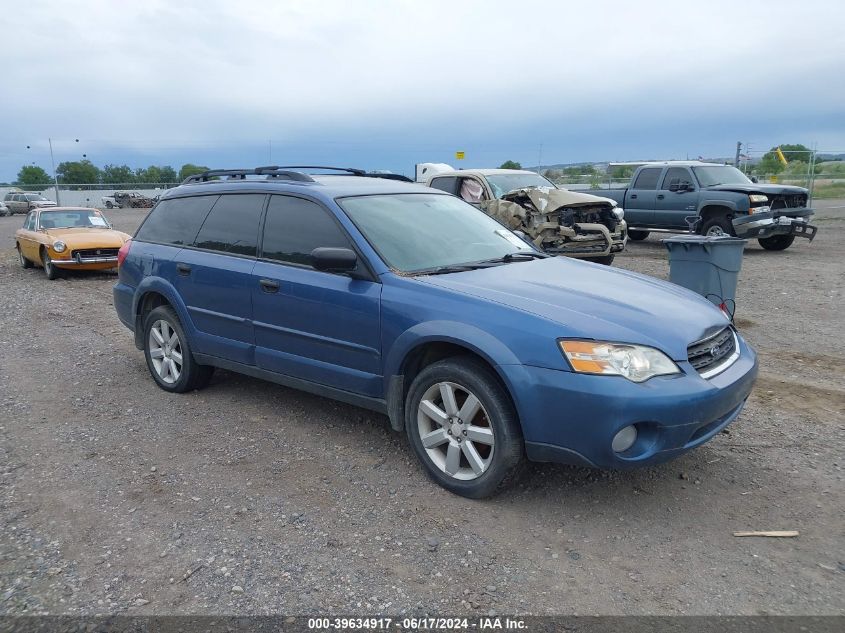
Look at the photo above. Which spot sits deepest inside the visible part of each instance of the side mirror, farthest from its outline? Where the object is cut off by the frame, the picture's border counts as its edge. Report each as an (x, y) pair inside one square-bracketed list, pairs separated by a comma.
[(334, 260), (754, 179), (674, 187)]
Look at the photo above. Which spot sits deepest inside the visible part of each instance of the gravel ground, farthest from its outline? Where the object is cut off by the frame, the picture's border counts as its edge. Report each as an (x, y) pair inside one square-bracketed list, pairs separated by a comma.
[(250, 498)]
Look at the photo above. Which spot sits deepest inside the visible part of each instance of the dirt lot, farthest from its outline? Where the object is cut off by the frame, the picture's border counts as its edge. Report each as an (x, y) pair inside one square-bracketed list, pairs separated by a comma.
[(247, 497)]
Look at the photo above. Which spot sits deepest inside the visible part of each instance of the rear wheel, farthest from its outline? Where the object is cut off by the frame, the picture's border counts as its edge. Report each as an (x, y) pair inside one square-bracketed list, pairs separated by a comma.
[(776, 242), (168, 353), (463, 428), (719, 226), (25, 263), (49, 269), (637, 236)]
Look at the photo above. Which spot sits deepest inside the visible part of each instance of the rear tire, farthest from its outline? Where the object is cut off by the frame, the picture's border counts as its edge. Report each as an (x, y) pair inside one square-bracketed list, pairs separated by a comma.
[(718, 226), (25, 263), (49, 269), (168, 353), (776, 242), (637, 236), (468, 440), (606, 260)]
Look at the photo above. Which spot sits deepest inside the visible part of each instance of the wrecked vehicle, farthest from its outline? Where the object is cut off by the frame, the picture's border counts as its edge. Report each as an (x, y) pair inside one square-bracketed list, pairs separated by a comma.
[(558, 221), (132, 200), (713, 199)]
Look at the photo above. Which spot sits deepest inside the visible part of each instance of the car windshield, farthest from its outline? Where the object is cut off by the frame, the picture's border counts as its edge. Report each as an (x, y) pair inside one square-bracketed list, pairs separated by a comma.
[(503, 183), (416, 233), (70, 219), (34, 196), (720, 175)]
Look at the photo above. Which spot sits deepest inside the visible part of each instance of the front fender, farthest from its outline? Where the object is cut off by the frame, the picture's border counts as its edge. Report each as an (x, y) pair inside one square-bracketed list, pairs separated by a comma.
[(728, 204)]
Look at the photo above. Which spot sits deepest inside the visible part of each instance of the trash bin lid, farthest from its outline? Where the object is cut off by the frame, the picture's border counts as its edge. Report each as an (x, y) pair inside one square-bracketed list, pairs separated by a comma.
[(703, 239)]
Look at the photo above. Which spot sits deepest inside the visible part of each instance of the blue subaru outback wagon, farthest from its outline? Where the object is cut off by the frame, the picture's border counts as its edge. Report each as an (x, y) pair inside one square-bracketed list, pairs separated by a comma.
[(408, 301)]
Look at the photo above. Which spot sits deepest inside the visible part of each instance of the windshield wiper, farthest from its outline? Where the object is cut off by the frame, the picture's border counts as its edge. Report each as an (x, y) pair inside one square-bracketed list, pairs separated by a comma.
[(520, 256)]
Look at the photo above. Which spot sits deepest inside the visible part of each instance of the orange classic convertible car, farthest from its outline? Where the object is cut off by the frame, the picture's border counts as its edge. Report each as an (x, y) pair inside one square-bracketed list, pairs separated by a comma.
[(59, 238)]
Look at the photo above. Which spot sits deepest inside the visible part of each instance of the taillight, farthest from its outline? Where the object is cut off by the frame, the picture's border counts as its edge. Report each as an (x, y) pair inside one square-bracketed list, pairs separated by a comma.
[(123, 252)]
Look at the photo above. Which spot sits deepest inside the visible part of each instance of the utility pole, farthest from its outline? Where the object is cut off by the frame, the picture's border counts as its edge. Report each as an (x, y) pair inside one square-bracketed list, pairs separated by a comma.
[(738, 150), (55, 176)]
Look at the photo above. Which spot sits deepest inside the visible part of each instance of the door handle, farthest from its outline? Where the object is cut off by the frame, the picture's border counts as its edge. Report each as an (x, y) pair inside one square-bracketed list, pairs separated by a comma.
[(660, 196), (633, 195), (183, 269), (268, 285)]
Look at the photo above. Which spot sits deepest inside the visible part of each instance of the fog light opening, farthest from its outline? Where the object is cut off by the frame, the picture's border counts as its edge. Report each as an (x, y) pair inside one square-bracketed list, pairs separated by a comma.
[(624, 439)]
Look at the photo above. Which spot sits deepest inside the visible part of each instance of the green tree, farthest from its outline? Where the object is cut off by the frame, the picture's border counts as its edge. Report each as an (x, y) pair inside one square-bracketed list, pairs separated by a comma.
[(155, 174), (622, 171), (117, 174), (770, 163), (510, 164), (78, 172), (167, 174), (189, 169), (33, 175)]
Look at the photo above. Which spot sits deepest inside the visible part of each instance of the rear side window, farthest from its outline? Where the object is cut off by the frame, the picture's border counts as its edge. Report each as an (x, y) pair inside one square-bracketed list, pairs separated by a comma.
[(176, 221), (232, 225), (294, 227), (647, 178), (449, 184)]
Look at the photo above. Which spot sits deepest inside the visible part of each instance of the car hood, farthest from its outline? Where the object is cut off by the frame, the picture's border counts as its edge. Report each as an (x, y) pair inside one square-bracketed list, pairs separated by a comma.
[(761, 188), (595, 302), (88, 238)]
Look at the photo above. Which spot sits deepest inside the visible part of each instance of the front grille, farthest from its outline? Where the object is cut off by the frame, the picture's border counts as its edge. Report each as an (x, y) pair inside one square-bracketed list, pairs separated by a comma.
[(791, 201), (85, 253), (712, 353)]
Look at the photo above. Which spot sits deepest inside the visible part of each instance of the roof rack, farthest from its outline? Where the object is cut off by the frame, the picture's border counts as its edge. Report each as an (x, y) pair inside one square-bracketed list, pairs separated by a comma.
[(287, 172)]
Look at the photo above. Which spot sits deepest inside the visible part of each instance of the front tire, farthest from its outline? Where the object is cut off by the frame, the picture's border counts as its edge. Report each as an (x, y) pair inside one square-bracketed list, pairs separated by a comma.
[(25, 263), (605, 260), (168, 353), (463, 427), (776, 242), (637, 236), (719, 226), (49, 269)]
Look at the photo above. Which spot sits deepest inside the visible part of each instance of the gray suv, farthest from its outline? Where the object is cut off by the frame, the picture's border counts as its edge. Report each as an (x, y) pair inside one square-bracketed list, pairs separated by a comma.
[(26, 202)]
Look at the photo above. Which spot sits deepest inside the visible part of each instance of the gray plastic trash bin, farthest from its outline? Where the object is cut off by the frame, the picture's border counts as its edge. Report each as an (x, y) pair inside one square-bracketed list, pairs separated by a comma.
[(708, 265)]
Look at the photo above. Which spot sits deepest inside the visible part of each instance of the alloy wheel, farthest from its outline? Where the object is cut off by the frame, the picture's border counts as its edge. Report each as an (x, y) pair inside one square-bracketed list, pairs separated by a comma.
[(455, 431), (165, 351)]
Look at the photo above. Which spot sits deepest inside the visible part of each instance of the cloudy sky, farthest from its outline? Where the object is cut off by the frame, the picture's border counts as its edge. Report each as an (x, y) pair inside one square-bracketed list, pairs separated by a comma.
[(386, 84)]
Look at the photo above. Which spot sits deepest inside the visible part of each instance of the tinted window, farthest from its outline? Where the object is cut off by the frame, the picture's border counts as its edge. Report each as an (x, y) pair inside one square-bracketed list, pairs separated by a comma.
[(176, 221), (232, 225), (449, 184), (647, 178), (294, 227), (676, 176)]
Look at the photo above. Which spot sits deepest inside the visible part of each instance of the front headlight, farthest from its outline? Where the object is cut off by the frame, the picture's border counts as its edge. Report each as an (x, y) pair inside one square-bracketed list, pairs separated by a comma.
[(619, 213), (60, 247), (757, 197), (634, 362)]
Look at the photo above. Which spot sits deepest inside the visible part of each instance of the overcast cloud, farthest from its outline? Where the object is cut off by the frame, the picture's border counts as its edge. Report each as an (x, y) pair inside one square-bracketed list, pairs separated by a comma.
[(388, 84)]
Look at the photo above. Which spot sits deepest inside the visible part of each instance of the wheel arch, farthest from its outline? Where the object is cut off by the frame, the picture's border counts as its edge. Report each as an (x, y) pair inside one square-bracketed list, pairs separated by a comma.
[(419, 347), (152, 293)]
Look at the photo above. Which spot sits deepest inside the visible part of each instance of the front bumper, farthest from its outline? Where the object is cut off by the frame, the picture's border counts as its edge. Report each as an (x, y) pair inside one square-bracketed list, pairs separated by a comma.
[(572, 418), (107, 262), (779, 222)]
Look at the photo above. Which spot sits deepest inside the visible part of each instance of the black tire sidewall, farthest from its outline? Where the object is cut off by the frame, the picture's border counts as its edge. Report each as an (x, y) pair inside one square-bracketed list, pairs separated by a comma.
[(189, 366), (49, 267), (776, 242), (508, 449), (636, 235)]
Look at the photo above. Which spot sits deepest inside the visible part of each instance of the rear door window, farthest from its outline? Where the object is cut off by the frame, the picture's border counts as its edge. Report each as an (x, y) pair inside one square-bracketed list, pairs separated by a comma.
[(176, 221), (232, 225), (294, 227), (647, 178), (449, 184)]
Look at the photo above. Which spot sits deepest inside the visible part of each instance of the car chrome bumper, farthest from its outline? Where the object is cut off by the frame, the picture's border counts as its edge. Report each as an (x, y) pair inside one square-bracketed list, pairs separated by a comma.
[(780, 222), (81, 261)]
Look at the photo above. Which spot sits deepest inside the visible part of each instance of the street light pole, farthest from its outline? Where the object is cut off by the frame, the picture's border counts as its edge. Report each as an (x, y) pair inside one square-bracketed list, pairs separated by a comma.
[(55, 175)]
